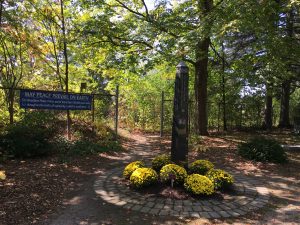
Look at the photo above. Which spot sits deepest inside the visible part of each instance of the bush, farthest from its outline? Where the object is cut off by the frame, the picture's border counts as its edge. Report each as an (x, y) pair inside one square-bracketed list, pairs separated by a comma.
[(200, 167), (131, 167), (143, 177), (178, 172), (159, 161), (84, 147), (220, 178), (30, 137), (199, 185), (263, 150)]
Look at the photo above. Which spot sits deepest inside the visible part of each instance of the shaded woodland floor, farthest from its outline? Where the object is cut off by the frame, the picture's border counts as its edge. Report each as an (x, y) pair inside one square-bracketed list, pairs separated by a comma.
[(49, 191)]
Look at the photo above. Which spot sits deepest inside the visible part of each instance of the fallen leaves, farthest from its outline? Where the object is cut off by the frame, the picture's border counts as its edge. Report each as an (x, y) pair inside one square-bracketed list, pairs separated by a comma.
[(2, 175)]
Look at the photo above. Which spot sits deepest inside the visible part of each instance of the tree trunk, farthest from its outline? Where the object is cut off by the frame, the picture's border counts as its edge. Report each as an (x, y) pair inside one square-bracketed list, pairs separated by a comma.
[(268, 119), (284, 121), (223, 89), (196, 87), (201, 84), (1, 10), (201, 72)]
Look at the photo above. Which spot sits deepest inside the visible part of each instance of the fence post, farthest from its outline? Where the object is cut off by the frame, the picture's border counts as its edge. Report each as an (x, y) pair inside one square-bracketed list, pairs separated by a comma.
[(162, 113), (116, 112)]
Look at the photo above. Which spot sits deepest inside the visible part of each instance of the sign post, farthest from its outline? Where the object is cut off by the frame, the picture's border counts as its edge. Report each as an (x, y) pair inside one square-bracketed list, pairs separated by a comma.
[(34, 99)]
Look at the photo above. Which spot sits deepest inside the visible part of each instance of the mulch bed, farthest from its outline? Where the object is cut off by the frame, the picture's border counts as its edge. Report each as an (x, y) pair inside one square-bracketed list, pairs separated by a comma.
[(177, 192), (35, 188)]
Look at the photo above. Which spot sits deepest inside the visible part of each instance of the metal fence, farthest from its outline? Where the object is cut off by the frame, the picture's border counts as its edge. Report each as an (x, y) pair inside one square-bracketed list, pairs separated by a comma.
[(105, 107), (239, 115)]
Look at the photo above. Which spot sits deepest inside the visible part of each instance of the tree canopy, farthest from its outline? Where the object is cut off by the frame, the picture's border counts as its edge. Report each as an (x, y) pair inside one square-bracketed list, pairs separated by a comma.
[(243, 56)]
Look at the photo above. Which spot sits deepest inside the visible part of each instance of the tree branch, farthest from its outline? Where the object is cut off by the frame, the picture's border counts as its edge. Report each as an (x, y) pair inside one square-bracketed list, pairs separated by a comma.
[(148, 19), (217, 54), (130, 10), (146, 8)]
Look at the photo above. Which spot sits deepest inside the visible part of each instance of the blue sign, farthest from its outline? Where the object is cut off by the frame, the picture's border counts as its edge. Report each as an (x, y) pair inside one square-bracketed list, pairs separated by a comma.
[(34, 99)]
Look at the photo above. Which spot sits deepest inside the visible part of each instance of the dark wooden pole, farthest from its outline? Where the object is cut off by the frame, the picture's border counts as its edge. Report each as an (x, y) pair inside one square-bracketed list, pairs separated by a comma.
[(179, 148)]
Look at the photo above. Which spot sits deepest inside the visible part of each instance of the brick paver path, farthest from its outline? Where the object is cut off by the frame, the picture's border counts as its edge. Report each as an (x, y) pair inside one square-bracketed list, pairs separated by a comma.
[(251, 195)]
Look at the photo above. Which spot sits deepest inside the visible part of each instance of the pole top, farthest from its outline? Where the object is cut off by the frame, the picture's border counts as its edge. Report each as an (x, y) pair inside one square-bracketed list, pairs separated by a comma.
[(181, 64), (182, 67)]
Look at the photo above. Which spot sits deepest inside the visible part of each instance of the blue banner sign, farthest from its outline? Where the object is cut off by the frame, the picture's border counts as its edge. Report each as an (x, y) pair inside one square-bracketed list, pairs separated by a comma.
[(34, 99)]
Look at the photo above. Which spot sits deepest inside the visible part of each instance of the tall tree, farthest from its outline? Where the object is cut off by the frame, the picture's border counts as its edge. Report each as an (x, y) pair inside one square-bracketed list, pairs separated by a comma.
[(176, 32), (65, 52), (291, 59), (14, 50)]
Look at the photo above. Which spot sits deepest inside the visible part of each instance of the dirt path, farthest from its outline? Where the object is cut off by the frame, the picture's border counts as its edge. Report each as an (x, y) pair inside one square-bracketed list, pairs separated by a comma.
[(47, 191), (84, 207)]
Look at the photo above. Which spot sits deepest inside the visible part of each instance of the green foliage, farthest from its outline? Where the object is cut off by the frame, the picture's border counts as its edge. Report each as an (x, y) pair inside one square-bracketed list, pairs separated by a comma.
[(159, 161), (131, 167), (263, 150), (220, 178), (140, 54), (201, 167), (195, 139), (82, 147), (143, 177), (30, 137), (174, 171), (102, 130), (199, 185)]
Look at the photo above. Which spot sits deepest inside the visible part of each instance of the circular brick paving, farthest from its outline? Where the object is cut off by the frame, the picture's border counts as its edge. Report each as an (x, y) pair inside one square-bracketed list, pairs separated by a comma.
[(250, 196)]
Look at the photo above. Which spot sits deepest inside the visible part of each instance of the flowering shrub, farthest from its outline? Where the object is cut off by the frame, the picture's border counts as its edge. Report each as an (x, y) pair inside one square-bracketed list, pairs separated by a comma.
[(199, 185), (131, 167), (143, 177), (173, 171), (159, 161), (220, 178), (200, 167)]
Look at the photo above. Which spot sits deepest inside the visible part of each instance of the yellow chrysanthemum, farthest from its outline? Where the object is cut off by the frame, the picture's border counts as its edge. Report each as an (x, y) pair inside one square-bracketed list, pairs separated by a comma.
[(199, 185), (220, 178), (131, 167), (143, 177)]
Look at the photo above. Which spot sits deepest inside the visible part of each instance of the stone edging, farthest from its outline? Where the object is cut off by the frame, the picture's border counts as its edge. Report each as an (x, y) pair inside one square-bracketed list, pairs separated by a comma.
[(251, 196)]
